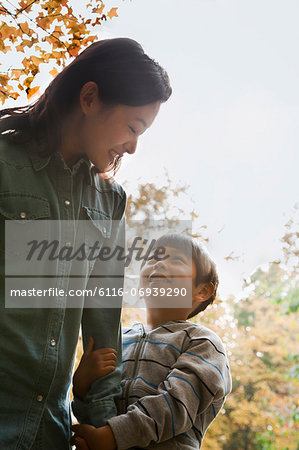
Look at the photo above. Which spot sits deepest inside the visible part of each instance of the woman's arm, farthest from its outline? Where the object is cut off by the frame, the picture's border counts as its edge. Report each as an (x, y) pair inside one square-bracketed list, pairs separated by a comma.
[(101, 319)]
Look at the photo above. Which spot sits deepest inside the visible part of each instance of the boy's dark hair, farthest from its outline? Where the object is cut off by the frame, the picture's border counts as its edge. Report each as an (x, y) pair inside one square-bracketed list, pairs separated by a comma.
[(206, 271)]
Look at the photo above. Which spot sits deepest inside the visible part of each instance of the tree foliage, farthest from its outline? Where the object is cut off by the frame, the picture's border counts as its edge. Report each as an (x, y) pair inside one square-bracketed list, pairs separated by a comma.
[(44, 31), (260, 332)]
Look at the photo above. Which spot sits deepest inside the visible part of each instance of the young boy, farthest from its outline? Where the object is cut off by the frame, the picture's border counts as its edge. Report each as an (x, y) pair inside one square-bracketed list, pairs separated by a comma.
[(175, 373)]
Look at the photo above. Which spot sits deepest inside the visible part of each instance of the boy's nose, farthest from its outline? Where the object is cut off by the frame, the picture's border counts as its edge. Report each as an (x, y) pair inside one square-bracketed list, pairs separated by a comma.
[(159, 265)]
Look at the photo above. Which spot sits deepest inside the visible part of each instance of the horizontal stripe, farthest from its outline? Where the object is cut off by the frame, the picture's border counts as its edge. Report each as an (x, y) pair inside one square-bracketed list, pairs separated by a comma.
[(207, 362), (211, 342), (154, 343), (141, 378), (186, 381), (165, 328), (189, 437), (127, 331), (147, 360)]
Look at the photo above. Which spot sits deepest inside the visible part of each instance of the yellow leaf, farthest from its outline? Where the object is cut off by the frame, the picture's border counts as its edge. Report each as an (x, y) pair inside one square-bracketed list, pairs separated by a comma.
[(36, 61), (27, 82), (25, 27), (31, 92), (4, 79), (16, 73), (24, 43), (53, 72), (98, 10), (112, 13)]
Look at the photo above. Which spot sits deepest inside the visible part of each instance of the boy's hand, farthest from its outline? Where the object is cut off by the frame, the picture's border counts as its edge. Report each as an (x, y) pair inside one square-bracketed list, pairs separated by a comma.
[(95, 438), (79, 443), (93, 365)]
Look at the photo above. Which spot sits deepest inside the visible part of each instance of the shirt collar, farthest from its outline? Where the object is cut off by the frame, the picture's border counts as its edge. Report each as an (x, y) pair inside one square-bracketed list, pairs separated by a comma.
[(39, 162)]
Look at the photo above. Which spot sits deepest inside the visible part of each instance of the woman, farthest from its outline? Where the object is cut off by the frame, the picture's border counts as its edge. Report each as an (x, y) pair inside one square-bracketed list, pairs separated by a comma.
[(55, 159)]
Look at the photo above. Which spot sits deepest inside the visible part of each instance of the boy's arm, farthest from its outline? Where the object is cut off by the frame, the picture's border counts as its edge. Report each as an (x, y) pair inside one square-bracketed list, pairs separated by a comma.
[(199, 377), (93, 365)]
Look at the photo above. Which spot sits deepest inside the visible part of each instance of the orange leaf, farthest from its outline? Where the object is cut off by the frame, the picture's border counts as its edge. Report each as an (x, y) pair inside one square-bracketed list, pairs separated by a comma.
[(112, 13), (28, 81), (16, 73), (98, 10), (53, 72), (31, 92), (4, 79), (25, 27)]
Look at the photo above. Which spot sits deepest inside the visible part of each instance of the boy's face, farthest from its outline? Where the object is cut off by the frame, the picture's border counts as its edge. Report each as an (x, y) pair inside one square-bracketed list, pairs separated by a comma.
[(167, 282)]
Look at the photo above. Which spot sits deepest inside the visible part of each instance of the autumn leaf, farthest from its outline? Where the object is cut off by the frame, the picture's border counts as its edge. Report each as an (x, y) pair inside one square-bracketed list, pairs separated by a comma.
[(27, 82), (31, 92), (25, 27), (112, 13), (98, 10), (53, 72)]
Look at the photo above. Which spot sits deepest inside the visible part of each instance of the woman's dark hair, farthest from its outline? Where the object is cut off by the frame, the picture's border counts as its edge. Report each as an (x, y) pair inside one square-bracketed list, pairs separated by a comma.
[(206, 271), (124, 75)]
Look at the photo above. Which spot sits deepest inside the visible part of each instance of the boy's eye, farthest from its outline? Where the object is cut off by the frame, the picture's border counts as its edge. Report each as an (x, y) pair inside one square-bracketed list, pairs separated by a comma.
[(178, 258), (132, 129)]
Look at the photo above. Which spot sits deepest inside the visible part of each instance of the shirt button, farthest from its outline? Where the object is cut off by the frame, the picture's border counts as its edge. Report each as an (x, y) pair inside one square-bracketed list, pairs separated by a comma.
[(39, 398), (67, 202), (22, 215), (53, 342)]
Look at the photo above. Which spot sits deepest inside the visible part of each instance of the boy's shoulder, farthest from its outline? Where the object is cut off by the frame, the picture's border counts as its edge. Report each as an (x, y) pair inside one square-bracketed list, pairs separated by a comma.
[(192, 330), (197, 333)]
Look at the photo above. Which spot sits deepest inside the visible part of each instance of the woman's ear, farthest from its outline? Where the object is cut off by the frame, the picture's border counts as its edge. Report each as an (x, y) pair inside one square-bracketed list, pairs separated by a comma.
[(203, 292), (89, 97)]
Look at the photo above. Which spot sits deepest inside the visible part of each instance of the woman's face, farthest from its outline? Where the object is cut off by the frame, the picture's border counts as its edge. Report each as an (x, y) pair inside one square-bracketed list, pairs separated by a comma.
[(106, 133)]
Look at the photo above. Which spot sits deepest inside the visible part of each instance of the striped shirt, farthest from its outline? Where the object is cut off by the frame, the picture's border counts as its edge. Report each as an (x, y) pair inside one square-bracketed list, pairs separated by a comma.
[(174, 382)]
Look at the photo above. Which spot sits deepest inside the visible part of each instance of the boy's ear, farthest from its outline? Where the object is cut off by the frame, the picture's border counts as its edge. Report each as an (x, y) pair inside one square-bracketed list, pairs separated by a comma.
[(203, 292)]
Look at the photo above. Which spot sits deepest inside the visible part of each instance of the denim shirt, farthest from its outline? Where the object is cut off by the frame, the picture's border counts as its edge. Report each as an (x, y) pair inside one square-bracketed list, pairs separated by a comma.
[(38, 345)]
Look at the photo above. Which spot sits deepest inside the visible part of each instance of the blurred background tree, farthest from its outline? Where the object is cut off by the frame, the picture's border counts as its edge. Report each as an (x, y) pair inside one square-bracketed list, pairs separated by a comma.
[(260, 332)]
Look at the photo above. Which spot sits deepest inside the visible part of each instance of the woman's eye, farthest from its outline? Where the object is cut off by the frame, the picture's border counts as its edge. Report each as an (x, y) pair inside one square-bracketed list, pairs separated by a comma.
[(132, 130)]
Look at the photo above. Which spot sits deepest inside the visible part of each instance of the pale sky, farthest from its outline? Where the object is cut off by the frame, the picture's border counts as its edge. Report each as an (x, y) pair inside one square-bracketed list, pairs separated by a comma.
[(230, 129)]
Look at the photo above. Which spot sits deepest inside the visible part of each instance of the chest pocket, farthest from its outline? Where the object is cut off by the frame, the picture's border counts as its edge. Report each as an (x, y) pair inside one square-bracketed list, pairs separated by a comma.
[(97, 230), (22, 210), (19, 206)]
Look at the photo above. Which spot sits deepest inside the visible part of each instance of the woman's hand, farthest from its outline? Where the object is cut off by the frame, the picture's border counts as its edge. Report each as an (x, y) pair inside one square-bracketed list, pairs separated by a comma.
[(91, 438), (93, 365)]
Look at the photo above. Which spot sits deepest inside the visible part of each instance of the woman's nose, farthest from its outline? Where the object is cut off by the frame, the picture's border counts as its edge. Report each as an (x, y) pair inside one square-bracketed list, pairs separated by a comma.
[(131, 147)]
